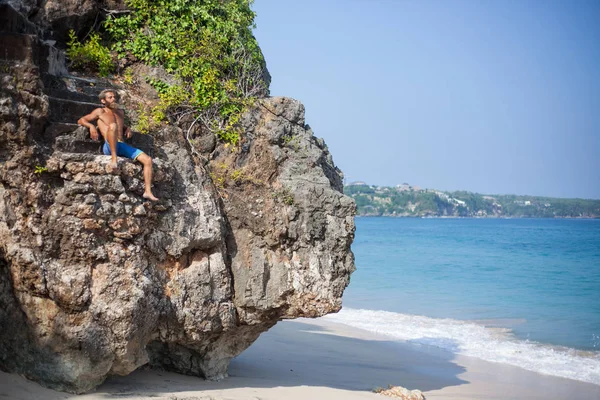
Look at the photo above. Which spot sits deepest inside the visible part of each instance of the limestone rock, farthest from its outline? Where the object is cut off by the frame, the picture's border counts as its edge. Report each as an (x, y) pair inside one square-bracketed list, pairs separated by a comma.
[(290, 222), (402, 393), (95, 280)]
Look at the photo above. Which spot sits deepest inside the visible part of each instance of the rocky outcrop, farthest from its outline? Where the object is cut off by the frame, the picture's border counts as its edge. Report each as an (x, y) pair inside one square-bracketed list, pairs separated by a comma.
[(54, 18), (402, 393), (94, 280)]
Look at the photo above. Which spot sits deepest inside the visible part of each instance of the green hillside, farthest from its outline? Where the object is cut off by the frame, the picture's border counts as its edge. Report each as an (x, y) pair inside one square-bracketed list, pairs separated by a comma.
[(407, 201)]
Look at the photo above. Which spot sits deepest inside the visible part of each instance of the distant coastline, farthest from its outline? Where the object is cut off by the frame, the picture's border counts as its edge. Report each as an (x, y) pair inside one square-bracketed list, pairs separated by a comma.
[(406, 201)]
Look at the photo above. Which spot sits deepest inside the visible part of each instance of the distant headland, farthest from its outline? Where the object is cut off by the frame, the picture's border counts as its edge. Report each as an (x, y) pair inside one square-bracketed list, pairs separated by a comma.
[(411, 201)]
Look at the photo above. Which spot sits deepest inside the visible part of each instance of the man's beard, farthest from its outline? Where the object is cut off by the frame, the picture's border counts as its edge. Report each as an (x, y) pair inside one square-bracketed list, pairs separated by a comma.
[(112, 106)]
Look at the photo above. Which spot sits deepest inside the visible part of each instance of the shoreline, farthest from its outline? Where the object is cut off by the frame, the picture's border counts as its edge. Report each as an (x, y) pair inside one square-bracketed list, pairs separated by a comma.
[(490, 340), (320, 359)]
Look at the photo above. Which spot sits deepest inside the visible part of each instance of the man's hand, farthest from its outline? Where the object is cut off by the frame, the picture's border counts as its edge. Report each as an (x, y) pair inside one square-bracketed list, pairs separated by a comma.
[(94, 133), (88, 120), (128, 133)]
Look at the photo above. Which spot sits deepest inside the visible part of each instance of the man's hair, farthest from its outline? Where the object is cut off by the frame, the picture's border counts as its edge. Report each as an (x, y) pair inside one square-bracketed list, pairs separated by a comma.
[(102, 95)]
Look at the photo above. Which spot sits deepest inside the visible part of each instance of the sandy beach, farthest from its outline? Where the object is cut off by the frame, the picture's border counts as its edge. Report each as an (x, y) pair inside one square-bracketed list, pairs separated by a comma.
[(318, 359)]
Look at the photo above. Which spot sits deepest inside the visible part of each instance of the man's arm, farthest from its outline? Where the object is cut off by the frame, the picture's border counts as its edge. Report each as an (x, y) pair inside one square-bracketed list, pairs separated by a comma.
[(87, 122), (126, 129)]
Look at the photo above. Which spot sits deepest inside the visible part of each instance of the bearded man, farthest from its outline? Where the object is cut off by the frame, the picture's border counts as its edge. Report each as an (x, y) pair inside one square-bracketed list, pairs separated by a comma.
[(111, 123)]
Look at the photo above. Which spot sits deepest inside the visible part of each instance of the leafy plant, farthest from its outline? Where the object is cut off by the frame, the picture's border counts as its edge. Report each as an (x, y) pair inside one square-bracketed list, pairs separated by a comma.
[(128, 76), (143, 124), (207, 46), (237, 175), (218, 180), (285, 196), (39, 169), (91, 54)]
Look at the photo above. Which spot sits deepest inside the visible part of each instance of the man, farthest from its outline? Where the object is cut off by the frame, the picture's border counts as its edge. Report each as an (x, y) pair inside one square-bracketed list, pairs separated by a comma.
[(111, 122)]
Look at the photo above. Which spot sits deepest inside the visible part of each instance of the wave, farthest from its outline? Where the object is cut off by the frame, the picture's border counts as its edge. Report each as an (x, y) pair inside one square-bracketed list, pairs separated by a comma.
[(476, 340)]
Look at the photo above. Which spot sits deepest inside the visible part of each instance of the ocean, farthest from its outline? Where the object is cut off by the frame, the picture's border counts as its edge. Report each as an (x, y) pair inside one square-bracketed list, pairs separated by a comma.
[(524, 292)]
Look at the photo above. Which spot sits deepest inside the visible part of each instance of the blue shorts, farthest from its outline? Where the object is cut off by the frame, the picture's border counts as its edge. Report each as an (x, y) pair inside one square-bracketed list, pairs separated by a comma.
[(123, 150)]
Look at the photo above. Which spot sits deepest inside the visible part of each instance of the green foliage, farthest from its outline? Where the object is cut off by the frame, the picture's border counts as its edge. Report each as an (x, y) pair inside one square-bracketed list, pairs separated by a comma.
[(362, 200), (284, 195), (128, 76), (230, 136), (40, 170), (4, 67), (373, 200), (207, 45), (427, 204), (237, 175), (91, 54), (218, 180), (144, 123)]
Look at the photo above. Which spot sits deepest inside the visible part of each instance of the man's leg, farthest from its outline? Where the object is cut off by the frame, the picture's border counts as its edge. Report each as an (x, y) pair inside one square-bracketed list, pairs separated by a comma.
[(111, 138), (105, 130), (147, 163)]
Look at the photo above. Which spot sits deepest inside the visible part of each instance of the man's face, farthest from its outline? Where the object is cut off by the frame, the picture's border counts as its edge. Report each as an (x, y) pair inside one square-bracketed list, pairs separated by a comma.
[(110, 100)]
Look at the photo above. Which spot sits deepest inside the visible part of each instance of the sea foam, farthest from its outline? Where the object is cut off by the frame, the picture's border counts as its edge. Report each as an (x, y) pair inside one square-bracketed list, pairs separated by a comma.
[(477, 340)]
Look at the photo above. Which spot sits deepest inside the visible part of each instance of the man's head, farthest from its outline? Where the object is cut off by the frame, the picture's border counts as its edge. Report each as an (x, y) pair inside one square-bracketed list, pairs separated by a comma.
[(108, 97)]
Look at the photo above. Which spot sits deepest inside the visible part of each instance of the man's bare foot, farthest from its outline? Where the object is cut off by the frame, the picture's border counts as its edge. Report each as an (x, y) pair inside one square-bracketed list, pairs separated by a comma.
[(112, 167), (150, 197), (113, 163)]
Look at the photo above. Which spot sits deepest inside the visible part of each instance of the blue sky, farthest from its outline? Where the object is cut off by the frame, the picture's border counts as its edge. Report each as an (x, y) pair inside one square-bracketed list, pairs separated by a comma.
[(495, 97)]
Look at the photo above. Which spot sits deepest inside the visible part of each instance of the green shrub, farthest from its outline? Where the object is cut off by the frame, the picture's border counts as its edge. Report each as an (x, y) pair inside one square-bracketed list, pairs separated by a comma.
[(40, 170), (91, 54), (284, 195), (207, 46)]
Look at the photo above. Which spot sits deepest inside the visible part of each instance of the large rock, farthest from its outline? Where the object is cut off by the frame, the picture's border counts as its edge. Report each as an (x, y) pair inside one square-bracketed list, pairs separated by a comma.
[(94, 280), (291, 225), (55, 18), (401, 393)]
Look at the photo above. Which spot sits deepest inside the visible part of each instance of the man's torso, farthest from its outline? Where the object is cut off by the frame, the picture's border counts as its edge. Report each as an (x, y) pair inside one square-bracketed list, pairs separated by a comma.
[(108, 117)]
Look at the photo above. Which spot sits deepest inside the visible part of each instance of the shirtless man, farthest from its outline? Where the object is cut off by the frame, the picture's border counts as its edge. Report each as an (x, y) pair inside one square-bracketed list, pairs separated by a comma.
[(111, 122)]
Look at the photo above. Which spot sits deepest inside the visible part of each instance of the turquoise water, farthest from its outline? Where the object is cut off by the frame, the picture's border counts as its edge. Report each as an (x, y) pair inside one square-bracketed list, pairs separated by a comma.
[(520, 291)]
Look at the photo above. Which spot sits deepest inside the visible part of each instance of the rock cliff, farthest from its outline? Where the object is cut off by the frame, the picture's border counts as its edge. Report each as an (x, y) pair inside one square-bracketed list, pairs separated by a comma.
[(94, 280)]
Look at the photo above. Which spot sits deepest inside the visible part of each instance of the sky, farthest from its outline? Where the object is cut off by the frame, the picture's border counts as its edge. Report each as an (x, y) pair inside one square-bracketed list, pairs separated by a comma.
[(494, 97)]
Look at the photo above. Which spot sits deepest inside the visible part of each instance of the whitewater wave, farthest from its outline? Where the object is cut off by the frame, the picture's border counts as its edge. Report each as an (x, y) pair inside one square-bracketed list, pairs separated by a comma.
[(476, 340)]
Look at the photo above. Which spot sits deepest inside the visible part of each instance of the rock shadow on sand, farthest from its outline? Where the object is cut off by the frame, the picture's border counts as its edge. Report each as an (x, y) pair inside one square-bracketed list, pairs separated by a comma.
[(310, 355), (294, 354)]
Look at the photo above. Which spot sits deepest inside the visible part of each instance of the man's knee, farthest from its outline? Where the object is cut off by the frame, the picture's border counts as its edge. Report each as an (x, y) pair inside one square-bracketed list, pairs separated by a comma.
[(145, 159)]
